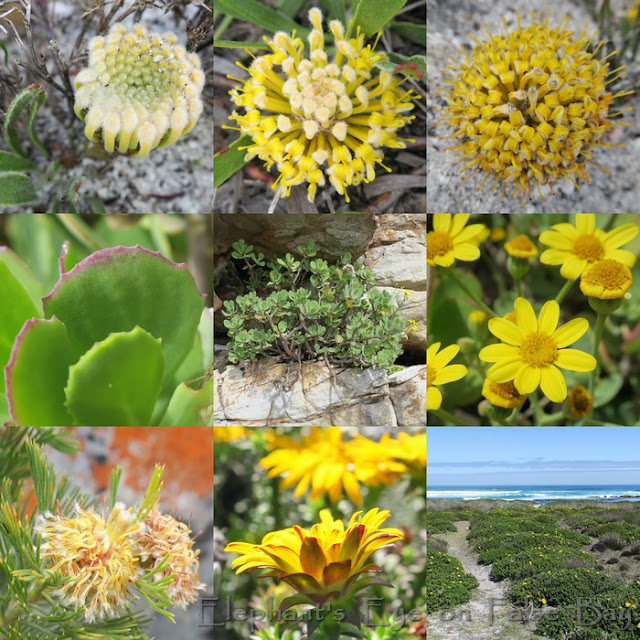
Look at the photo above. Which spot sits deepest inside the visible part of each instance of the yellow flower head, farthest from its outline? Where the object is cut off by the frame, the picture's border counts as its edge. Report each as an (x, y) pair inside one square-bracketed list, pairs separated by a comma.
[(477, 317), (580, 402), (95, 557), (229, 434), (439, 373), (502, 394), (324, 563), (575, 247), (534, 349), (451, 240), (529, 106), (140, 91), (521, 247), (606, 280), (318, 118), (162, 535), (327, 464)]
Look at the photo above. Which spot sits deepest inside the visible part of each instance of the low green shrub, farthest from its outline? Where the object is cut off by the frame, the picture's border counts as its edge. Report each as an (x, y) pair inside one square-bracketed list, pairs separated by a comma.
[(447, 583), (540, 560)]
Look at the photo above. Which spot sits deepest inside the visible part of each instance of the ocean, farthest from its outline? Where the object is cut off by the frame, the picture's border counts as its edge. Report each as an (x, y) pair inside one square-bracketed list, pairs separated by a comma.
[(541, 494)]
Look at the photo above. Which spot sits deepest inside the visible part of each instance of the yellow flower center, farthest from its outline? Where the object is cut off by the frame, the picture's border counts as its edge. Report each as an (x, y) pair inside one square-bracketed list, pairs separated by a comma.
[(506, 390), (608, 274), (521, 243), (438, 244), (580, 402), (588, 247), (431, 376), (539, 350)]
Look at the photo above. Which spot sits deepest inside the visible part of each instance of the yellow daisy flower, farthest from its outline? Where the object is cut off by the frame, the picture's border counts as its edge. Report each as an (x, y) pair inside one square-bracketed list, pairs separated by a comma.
[(535, 348), (606, 280), (451, 240), (229, 434), (317, 118), (575, 247), (580, 401), (325, 563), (439, 373), (502, 394), (521, 247)]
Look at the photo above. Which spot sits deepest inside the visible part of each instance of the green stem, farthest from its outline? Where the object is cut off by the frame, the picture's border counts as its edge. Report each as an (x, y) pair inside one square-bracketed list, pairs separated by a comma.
[(448, 417), (513, 415), (537, 409), (602, 318), (81, 231), (518, 287), (222, 27), (458, 280), (551, 419), (565, 289)]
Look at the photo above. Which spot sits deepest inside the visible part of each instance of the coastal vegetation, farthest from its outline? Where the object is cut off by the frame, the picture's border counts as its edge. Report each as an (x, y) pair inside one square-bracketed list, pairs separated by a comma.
[(566, 570)]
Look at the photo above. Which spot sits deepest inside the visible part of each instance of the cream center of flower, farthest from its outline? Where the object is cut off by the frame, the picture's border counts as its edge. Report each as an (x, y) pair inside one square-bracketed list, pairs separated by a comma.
[(438, 244), (539, 350), (588, 247), (431, 376), (608, 274), (317, 97)]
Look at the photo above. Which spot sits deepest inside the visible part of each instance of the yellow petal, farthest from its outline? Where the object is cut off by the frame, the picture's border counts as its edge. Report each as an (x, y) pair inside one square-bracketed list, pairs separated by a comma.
[(572, 268), (442, 222), (450, 374), (525, 316), (570, 332), (527, 379), (432, 351), (466, 252), (497, 352), (553, 384), (434, 399), (556, 240), (445, 356), (585, 223), (620, 235), (458, 223), (554, 257), (506, 331), (548, 318), (504, 371), (575, 360)]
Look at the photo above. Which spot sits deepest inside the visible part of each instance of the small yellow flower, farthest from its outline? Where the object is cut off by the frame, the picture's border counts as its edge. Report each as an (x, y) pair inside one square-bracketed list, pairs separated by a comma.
[(326, 563), (580, 402), (543, 600), (534, 348), (96, 558), (529, 106), (412, 325), (477, 317), (521, 247), (575, 247), (502, 394), (439, 371), (606, 280), (317, 118), (451, 240), (498, 234), (229, 434)]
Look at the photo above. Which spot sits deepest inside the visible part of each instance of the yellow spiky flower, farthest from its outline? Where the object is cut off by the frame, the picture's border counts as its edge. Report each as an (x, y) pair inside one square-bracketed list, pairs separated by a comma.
[(529, 106), (319, 119), (94, 556), (140, 91)]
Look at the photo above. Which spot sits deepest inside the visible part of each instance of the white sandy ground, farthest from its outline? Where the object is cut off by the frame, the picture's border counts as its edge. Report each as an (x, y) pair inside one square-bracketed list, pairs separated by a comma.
[(450, 23), (474, 620)]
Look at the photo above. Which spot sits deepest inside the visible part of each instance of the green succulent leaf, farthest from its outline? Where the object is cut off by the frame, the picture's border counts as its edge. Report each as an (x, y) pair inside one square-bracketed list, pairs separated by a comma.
[(415, 32), (191, 405), (230, 160), (117, 381), (37, 374), (117, 289)]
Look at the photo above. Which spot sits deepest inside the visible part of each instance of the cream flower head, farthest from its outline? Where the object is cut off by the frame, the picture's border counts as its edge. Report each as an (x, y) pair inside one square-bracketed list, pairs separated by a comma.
[(140, 91)]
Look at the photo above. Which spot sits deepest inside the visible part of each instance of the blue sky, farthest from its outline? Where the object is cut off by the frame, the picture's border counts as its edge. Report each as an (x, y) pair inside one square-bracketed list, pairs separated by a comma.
[(477, 456)]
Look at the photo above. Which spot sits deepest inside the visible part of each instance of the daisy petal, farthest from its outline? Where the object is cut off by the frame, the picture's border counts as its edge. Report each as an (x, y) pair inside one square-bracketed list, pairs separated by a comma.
[(620, 255), (621, 235), (432, 350), (497, 352), (557, 240), (451, 374), (525, 316), (504, 371), (434, 399), (575, 360), (570, 332), (572, 268), (553, 384), (527, 379), (548, 318), (445, 356), (446, 260), (554, 257), (458, 222), (467, 233), (467, 252), (566, 229), (506, 331), (442, 222), (585, 223)]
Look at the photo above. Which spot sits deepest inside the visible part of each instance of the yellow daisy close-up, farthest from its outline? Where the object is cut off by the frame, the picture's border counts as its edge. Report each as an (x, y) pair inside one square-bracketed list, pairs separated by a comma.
[(606, 280), (502, 394), (533, 349), (521, 247), (439, 371), (452, 240), (576, 247)]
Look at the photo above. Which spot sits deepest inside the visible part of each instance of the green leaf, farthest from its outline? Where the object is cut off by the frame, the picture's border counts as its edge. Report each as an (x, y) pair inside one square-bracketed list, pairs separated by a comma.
[(6, 53), (33, 93), (290, 7), (13, 315), (190, 406), (117, 381), (24, 276), (117, 289), (37, 374), (258, 13), (10, 162), (235, 44), (38, 101), (230, 160), (398, 64), (415, 32), (372, 15), (336, 9), (16, 188), (607, 389)]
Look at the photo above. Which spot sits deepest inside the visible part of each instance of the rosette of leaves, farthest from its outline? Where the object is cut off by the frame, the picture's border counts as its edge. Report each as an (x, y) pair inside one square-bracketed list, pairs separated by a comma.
[(123, 339), (304, 309)]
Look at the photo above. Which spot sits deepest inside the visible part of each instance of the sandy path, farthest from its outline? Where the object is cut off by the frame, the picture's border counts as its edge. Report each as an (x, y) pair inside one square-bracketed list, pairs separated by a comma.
[(488, 614)]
